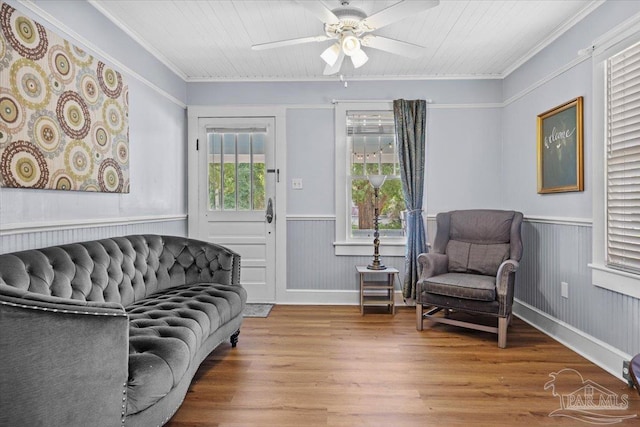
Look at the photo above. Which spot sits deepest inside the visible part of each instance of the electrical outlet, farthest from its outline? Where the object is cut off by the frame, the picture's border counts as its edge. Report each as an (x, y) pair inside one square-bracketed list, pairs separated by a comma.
[(296, 183), (564, 289)]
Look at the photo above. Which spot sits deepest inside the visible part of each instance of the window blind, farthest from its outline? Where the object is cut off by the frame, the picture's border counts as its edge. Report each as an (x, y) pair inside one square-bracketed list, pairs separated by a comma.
[(623, 159)]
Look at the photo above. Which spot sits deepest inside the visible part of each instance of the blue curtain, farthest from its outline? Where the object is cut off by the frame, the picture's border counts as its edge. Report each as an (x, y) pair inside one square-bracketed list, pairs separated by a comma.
[(410, 121)]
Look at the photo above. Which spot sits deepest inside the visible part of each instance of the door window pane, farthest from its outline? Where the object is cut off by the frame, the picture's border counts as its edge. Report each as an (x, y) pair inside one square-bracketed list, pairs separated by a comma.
[(237, 170), (215, 171), (229, 172), (259, 172), (244, 171)]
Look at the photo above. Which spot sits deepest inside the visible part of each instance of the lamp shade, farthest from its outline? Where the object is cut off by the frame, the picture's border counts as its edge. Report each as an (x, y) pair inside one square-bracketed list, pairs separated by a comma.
[(359, 58), (377, 180), (350, 43), (330, 55)]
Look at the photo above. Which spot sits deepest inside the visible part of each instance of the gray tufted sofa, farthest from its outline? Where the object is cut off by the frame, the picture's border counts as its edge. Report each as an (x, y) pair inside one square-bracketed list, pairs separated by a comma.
[(111, 332)]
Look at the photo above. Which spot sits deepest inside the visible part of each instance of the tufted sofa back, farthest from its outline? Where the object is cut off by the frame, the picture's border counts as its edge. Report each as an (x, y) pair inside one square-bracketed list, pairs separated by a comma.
[(120, 269)]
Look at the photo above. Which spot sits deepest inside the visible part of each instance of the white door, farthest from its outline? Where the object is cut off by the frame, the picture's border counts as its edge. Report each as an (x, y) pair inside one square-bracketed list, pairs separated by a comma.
[(236, 195)]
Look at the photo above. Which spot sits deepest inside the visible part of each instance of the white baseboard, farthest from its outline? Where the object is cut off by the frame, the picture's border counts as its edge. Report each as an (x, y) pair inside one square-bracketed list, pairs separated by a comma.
[(602, 354)]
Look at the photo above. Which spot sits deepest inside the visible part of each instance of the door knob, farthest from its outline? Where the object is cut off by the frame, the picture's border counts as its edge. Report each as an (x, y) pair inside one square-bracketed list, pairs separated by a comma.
[(269, 214)]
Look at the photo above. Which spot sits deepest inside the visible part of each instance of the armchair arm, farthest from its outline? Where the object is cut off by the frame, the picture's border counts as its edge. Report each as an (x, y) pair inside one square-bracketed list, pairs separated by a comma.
[(64, 362), (505, 281), (432, 264), (504, 275)]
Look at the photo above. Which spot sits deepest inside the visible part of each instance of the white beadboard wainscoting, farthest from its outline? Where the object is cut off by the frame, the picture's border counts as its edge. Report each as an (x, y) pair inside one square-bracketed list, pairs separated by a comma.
[(599, 324), (315, 274), (18, 237)]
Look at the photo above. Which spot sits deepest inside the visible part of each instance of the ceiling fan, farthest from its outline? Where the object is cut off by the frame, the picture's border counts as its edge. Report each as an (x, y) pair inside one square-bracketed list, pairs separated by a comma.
[(350, 27)]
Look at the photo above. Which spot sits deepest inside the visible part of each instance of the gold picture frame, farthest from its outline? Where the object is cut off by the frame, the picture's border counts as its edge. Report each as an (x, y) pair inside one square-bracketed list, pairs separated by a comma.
[(560, 148)]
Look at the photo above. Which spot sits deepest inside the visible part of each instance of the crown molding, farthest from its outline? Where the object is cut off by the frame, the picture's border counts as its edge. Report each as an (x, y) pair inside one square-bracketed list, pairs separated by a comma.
[(568, 24), (142, 42), (77, 38)]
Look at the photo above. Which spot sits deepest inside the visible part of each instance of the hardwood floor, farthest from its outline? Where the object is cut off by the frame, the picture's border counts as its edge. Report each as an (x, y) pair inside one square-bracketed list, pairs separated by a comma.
[(329, 366)]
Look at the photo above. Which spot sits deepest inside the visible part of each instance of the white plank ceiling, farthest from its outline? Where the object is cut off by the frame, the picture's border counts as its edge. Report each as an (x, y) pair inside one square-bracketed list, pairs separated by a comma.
[(211, 40)]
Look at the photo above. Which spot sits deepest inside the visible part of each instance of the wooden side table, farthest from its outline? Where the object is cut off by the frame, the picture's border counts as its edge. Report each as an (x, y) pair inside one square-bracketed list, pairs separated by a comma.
[(377, 287)]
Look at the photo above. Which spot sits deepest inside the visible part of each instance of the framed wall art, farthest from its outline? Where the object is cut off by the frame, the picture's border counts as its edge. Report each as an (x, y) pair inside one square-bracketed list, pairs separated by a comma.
[(560, 149), (63, 113)]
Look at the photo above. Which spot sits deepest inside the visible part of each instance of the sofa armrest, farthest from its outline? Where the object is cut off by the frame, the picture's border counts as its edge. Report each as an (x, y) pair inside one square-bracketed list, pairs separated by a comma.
[(235, 272), (64, 362), (191, 261), (226, 261)]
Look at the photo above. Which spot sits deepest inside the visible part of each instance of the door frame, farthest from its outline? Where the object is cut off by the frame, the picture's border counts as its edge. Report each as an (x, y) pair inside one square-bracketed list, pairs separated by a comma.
[(194, 113)]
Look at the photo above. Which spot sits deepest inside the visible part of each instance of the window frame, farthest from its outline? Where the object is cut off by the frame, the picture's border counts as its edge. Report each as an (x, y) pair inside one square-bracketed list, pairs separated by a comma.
[(344, 244), (602, 275)]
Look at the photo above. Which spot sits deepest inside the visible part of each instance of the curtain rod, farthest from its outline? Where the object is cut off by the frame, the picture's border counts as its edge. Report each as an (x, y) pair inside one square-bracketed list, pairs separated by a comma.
[(354, 101)]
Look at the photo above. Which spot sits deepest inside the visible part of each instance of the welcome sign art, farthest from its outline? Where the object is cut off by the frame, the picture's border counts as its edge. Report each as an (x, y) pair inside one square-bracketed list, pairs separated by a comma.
[(63, 113)]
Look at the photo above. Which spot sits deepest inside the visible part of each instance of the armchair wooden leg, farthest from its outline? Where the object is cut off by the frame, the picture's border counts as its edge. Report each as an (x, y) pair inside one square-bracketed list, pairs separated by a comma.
[(503, 322), (419, 318)]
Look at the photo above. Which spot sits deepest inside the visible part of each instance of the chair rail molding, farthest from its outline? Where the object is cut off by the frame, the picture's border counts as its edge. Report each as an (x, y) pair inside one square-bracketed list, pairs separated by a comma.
[(34, 227)]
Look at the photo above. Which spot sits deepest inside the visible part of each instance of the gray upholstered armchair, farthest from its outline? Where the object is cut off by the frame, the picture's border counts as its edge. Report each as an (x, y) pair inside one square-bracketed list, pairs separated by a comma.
[(471, 269)]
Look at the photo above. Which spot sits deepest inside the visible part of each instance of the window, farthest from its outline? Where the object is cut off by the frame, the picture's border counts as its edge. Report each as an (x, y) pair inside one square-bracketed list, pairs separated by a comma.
[(623, 159), (615, 185), (365, 145), (372, 151)]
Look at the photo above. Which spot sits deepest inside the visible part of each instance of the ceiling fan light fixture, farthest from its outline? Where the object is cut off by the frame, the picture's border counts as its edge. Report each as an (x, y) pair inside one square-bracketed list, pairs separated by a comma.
[(359, 58), (330, 55), (350, 43)]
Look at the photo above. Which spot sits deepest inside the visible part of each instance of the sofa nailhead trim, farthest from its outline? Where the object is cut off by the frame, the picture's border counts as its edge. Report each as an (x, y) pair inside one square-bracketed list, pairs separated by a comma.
[(56, 310)]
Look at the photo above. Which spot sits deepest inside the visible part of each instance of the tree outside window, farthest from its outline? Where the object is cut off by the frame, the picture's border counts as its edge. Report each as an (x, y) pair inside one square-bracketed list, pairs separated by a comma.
[(371, 137)]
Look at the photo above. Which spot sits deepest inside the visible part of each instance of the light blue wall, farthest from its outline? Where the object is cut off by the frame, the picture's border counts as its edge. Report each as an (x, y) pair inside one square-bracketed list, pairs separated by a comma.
[(519, 139), (311, 157), (543, 90), (463, 119), (157, 131), (558, 244), (468, 178), (463, 159)]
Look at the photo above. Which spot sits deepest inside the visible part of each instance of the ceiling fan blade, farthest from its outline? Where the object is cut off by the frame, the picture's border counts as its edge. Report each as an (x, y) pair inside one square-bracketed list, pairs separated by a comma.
[(396, 12), (321, 12), (393, 46), (290, 42), (328, 70)]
